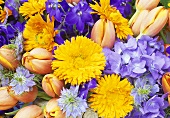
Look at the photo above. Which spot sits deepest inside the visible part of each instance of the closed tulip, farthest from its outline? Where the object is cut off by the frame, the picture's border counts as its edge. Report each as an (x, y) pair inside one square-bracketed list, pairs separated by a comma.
[(73, 1), (38, 61), (51, 85), (8, 58), (146, 4), (52, 110), (26, 96), (32, 111), (154, 21), (6, 101), (166, 84), (137, 23), (103, 33)]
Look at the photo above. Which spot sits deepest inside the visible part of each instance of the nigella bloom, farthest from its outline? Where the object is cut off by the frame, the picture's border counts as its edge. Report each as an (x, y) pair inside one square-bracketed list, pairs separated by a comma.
[(70, 103), (143, 89), (22, 81), (52, 8), (123, 6), (79, 15)]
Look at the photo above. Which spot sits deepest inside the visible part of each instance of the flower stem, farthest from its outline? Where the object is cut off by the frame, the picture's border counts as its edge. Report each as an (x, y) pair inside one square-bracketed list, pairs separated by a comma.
[(163, 37)]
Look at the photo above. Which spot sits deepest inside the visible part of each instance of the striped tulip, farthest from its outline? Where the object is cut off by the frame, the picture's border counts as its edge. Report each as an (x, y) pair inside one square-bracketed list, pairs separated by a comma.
[(52, 110), (146, 4), (38, 61), (103, 33), (8, 58), (51, 85), (32, 111), (6, 101)]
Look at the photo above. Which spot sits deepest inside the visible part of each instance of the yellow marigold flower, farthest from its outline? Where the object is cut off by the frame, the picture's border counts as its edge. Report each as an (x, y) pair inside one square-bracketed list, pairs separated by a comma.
[(78, 61), (4, 13), (111, 98), (38, 33), (110, 13), (32, 7), (1, 1)]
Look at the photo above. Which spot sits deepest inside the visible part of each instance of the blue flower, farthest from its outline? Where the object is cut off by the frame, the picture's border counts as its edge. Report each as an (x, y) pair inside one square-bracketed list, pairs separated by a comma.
[(143, 90), (79, 15), (154, 107), (70, 103), (123, 6), (22, 81), (53, 9), (84, 89)]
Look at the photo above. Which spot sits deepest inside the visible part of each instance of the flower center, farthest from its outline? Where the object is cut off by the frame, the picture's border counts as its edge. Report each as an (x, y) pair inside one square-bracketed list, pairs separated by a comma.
[(143, 91), (21, 79), (79, 13)]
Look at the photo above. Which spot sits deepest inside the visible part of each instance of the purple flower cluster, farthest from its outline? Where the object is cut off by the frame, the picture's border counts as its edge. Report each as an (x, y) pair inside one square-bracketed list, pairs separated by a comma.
[(123, 6), (136, 58)]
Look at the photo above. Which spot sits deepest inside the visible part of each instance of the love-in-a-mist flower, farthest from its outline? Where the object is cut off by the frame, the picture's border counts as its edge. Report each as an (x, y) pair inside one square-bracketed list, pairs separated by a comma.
[(111, 98), (22, 81), (70, 103), (78, 61), (143, 89)]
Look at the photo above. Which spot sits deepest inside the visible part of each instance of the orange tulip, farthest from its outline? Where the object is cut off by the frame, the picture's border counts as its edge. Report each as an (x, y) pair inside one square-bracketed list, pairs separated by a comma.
[(103, 33), (8, 58), (137, 23), (38, 60), (32, 111), (154, 21), (26, 96), (6, 101), (146, 4), (51, 85), (166, 84), (52, 110), (73, 1)]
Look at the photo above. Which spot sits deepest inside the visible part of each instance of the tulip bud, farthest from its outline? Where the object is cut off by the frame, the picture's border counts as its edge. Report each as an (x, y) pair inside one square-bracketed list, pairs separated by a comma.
[(137, 22), (146, 4), (166, 84), (26, 96), (154, 21), (6, 101), (73, 1), (8, 58), (103, 33), (52, 110), (32, 111), (38, 60), (51, 85)]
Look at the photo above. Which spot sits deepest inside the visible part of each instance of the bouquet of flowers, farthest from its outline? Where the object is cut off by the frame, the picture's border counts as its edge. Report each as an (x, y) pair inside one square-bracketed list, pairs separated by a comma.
[(84, 58)]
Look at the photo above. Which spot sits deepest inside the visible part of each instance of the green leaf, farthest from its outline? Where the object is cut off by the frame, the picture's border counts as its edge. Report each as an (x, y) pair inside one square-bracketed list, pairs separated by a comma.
[(165, 3)]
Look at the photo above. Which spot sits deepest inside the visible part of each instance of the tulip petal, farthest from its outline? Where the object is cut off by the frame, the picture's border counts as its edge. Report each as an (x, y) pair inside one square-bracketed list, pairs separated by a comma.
[(146, 4), (98, 31), (109, 35), (40, 53)]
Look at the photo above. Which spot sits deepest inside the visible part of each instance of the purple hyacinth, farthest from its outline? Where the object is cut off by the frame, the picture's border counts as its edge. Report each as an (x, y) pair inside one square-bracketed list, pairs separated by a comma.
[(133, 59), (84, 89), (123, 6), (143, 89), (80, 15), (71, 103), (22, 81), (154, 107)]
